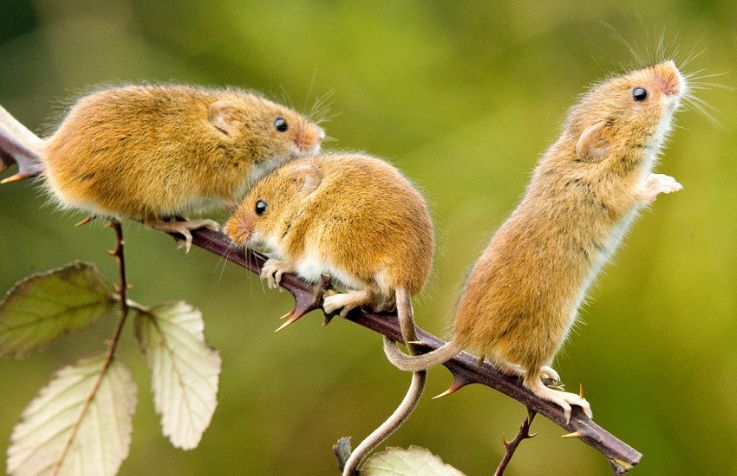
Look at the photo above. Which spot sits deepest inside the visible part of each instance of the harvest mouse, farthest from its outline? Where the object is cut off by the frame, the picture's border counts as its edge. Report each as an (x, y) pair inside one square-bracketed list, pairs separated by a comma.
[(352, 217), (154, 153), (522, 295)]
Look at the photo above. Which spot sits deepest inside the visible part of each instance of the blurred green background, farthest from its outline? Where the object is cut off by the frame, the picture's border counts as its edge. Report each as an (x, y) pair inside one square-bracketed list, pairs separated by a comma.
[(463, 97)]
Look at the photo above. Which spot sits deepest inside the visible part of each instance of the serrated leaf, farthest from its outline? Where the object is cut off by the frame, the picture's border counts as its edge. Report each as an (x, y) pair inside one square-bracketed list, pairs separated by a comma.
[(413, 461), (43, 306), (184, 370), (79, 424)]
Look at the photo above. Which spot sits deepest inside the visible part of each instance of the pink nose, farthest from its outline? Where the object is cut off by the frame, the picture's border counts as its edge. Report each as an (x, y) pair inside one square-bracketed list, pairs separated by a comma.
[(309, 138)]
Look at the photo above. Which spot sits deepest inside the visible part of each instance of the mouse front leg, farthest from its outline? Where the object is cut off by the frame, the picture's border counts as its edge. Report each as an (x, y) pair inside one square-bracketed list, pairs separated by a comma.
[(273, 270), (655, 185)]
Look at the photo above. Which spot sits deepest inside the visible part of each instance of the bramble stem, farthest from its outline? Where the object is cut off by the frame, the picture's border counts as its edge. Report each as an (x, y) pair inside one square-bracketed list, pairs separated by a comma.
[(464, 366), (511, 446)]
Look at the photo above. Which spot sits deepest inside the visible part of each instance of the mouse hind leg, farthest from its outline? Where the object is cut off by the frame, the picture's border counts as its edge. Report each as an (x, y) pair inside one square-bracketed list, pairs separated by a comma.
[(347, 301), (182, 227), (533, 381), (546, 372)]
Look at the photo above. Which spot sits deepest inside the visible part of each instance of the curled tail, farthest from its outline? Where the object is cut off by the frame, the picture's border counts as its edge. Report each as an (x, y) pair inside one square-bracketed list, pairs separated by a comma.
[(413, 363), (18, 144), (410, 400)]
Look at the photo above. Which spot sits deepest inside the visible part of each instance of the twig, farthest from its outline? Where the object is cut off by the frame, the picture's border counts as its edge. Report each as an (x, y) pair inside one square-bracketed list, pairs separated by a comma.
[(463, 367), (511, 446), (112, 345)]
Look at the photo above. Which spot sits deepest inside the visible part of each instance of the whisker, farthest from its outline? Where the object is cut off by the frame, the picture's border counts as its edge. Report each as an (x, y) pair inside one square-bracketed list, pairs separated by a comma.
[(310, 89), (285, 96)]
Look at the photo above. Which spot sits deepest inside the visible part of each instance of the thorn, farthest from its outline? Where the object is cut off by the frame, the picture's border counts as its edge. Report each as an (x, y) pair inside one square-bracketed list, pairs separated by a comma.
[(580, 390), (532, 435), (504, 440), (112, 252), (85, 221), (480, 360), (15, 178), (458, 383), (415, 342), (575, 434), (446, 393), (293, 315)]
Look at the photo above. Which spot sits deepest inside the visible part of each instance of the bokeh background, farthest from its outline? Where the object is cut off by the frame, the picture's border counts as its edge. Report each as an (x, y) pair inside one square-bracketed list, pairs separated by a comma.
[(463, 97)]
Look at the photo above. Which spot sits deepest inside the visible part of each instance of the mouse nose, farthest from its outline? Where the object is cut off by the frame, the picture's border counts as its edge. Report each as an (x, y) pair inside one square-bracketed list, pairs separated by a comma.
[(309, 138), (670, 79)]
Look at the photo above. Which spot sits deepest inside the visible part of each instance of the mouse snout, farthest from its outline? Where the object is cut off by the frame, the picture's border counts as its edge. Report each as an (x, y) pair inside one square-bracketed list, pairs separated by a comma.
[(239, 229), (669, 79), (309, 137)]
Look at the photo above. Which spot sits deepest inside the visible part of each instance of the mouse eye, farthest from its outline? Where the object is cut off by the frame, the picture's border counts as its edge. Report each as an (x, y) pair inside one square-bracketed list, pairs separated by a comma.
[(260, 207), (639, 94), (280, 124)]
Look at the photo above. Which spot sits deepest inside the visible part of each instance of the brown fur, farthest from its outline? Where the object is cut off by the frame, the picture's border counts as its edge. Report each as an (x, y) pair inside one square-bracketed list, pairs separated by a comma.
[(522, 295), (364, 218), (359, 220), (145, 152)]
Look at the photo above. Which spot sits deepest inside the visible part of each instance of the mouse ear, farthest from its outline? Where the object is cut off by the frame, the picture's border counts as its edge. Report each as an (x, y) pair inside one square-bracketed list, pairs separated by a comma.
[(224, 116), (307, 175), (593, 143)]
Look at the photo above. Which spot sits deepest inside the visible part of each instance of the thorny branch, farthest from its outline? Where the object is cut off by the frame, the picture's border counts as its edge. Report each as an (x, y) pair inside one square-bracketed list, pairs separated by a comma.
[(464, 367), (511, 446)]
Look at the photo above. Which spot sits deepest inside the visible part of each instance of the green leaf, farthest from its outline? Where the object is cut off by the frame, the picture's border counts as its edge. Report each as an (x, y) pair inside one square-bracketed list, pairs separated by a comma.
[(412, 461), (184, 370), (45, 305), (79, 424)]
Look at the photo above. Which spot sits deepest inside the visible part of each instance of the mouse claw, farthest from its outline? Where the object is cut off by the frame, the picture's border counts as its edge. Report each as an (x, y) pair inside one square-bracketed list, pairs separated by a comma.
[(186, 243)]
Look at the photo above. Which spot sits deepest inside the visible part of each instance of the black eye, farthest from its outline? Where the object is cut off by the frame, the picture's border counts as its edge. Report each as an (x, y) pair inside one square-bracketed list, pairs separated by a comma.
[(640, 94), (260, 207), (280, 124)]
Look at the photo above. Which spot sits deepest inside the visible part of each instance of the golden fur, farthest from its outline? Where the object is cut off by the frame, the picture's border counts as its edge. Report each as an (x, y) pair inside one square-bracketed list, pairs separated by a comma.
[(364, 218), (522, 295), (146, 152)]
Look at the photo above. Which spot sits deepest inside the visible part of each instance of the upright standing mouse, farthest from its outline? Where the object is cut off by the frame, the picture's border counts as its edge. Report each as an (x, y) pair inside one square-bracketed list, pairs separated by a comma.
[(154, 153), (522, 295), (357, 219)]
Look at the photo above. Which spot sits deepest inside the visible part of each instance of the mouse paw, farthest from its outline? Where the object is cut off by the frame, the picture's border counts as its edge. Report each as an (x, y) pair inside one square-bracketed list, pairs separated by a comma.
[(563, 399), (657, 184), (183, 228), (547, 372), (273, 270), (345, 301)]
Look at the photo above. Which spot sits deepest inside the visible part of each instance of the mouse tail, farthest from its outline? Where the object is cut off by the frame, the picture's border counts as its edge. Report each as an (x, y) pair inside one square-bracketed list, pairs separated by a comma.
[(410, 400), (413, 363), (21, 146)]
